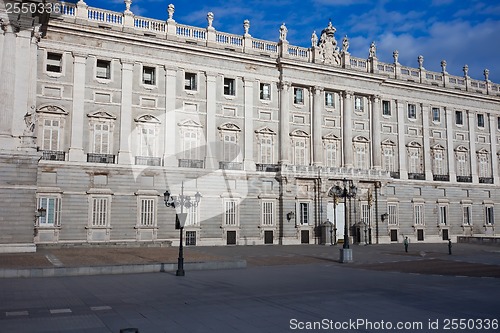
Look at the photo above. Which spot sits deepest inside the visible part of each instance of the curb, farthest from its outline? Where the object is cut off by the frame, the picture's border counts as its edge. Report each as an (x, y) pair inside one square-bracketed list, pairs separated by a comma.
[(117, 269)]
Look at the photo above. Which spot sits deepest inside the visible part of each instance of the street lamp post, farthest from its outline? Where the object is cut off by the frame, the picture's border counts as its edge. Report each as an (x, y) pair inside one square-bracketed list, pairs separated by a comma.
[(348, 191), (335, 203), (181, 201), (370, 200)]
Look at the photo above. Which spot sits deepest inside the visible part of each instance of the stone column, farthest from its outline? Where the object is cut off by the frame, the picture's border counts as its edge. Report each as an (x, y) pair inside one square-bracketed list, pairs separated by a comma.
[(493, 140), (170, 126), (124, 152), (403, 172), (7, 85), (211, 158), (472, 146), (449, 145), (78, 125), (284, 119), (347, 129), (248, 160), (317, 115), (376, 141), (426, 140)]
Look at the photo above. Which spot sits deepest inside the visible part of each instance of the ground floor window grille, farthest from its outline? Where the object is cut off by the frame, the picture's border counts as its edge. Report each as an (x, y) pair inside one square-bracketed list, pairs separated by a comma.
[(190, 237)]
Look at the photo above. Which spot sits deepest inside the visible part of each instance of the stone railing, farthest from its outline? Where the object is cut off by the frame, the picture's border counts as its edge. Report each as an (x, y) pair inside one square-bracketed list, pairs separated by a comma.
[(247, 44)]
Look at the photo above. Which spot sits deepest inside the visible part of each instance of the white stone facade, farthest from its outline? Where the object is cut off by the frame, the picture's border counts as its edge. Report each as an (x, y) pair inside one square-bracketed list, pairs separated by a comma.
[(106, 110)]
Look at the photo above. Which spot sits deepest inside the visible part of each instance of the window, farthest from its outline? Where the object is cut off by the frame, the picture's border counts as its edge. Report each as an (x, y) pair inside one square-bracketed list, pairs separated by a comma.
[(418, 214), (304, 213), (498, 123), (366, 213), (438, 161), (230, 212), (459, 118), (190, 144), (489, 217), (329, 99), (483, 164), (266, 149), (389, 161), (103, 69), (392, 212), (100, 212), (298, 95), (361, 155), (147, 212), (480, 120), (267, 217), (50, 134), (148, 75), (443, 215), (386, 108), (331, 152), (191, 238), (467, 215), (462, 162), (436, 114), (54, 62), (147, 139), (230, 147), (412, 111), (102, 135), (415, 165), (358, 103), (190, 81), (300, 152), (193, 216), (52, 206), (229, 87), (265, 91)]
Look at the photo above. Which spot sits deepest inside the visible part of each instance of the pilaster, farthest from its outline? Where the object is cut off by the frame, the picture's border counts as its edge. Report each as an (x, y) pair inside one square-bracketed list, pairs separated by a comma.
[(124, 153), (284, 119), (493, 150), (77, 119), (376, 141), (211, 158), (170, 135), (472, 146), (22, 81), (7, 85), (426, 140), (318, 103), (449, 145), (402, 154), (248, 161), (347, 129)]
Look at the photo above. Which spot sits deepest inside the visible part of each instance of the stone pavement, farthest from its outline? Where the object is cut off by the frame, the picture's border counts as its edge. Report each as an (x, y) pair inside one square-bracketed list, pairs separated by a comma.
[(466, 259)]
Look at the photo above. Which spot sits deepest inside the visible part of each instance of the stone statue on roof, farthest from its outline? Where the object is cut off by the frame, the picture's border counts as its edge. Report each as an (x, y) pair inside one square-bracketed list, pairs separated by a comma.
[(373, 50), (345, 44), (283, 32), (314, 39), (328, 49)]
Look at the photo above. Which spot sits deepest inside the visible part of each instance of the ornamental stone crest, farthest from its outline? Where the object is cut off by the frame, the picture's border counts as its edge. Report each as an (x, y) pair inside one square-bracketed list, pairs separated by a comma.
[(327, 51)]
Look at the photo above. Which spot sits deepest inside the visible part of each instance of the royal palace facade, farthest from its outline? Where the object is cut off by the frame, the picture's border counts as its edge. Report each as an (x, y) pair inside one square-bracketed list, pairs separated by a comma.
[(101, 112)]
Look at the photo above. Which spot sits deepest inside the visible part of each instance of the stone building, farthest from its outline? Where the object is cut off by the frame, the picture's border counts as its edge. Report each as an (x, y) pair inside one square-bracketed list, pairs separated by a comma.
[(103, 111)]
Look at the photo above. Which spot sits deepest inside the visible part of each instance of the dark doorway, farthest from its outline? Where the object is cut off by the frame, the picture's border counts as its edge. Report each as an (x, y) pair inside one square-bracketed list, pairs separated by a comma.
[(445, 234), (420, 234), (231, 238), (394, 235), (268, 237), (357, 235), (304, 236)]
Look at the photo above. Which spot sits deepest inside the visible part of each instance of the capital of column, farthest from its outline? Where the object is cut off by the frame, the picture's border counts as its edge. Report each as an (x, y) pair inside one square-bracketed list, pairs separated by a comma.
[(79, 57), (284, 85), (248, 82), (127, 65), (376, 98), (347, 94), (10, 27)]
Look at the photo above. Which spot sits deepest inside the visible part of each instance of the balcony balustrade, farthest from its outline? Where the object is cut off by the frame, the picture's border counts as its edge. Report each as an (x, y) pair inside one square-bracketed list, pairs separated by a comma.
[(53, 155), (100, 158)]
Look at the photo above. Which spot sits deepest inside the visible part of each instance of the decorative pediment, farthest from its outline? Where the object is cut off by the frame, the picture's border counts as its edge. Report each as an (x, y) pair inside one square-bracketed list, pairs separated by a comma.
[(229, 127), (147, 118), (189, 123), (437, 147), (388, 142), (265, 130), (461, 149), (361, 139), (330, 136), (51, 109), (414, 144), (101, 114), (483, 151), (299, 133)]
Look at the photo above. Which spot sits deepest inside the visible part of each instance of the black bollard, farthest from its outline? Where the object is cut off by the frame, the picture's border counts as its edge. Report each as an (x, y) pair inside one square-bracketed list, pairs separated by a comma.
[(449, 246)]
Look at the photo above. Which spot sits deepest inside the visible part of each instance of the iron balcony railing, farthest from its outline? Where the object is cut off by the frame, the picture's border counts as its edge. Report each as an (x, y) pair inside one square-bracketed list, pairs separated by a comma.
[(464, 179), (268, 167), (186, 163), (230, 165), (416, 176), (486, 180), (147, 160), (100, 158), (53, 155), (443, 178)]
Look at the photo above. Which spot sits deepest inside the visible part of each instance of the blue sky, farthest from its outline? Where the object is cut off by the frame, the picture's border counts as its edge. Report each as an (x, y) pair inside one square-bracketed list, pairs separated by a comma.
[(458, 31)]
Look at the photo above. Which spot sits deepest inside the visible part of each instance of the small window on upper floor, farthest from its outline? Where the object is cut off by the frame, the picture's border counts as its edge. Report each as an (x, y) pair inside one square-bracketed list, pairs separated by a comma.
[(386, 108), (459, 118), (358, 103), (298, 96), (190, 81), (412, 111), (498, 123), (229, 87), (480, 120), (436, 114), (329, 99), (54, 62), (265, 91), (148, 75), (103, 69)]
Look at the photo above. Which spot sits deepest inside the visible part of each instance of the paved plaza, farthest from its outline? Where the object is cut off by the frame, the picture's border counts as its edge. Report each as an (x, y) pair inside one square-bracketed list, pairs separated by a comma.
[(282, 289)]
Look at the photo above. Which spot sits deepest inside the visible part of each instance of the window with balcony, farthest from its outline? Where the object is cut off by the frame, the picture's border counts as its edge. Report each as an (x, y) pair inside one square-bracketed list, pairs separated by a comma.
[(103, 69), (415, 159), (229, 86), (147, 130), (265, 91), (50, 123), (361, 152), (191, 133), (148, 75), (231, 151), (190, 81), (300, 147), (101, 137), (331, 153)]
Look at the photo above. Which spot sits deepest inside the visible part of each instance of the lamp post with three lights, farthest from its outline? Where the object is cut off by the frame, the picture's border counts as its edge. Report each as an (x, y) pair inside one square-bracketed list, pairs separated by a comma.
[(181, 201)]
